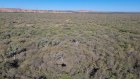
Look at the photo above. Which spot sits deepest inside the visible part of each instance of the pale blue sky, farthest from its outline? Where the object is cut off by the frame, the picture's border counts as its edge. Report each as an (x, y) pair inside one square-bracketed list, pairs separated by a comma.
[(97, 5)]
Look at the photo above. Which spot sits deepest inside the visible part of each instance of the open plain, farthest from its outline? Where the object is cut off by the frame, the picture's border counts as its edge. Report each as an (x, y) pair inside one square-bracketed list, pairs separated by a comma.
[(69, 45)]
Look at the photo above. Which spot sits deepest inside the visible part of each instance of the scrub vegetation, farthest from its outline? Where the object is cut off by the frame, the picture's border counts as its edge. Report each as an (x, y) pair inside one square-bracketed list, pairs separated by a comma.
[(69, 46)]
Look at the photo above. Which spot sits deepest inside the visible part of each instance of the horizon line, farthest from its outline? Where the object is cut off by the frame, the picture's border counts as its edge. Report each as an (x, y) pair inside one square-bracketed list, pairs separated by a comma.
[(73, 10)]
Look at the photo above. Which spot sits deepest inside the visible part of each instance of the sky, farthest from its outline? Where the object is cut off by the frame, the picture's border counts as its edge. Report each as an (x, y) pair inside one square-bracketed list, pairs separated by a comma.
[(95, 5)]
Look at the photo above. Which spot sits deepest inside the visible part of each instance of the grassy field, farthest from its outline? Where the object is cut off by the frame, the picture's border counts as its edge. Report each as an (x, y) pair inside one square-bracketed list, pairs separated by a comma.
[(69, 46)]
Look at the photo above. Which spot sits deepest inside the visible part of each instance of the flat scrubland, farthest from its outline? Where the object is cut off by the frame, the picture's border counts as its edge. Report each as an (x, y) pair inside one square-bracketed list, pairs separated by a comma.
[(69, 46)]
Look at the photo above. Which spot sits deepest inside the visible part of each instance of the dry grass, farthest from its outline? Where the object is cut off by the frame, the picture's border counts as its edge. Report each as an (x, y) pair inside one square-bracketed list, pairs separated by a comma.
[(69, 46)]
